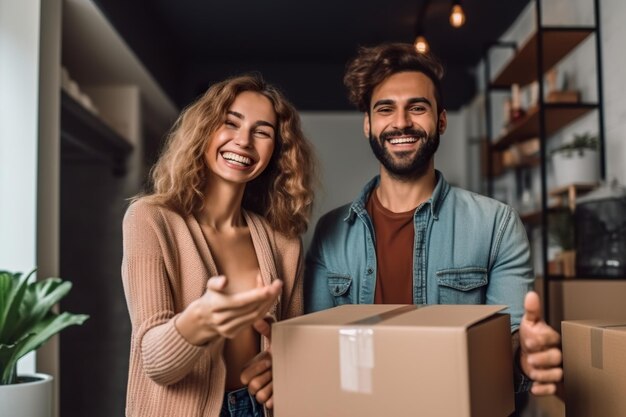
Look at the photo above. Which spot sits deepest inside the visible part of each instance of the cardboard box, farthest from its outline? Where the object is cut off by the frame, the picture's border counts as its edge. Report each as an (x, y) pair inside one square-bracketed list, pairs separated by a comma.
[(594, 365), (585, 299), (394, 360)]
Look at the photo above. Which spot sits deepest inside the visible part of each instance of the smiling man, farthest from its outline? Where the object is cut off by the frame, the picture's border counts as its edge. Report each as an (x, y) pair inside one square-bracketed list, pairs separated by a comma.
[(410, 237)]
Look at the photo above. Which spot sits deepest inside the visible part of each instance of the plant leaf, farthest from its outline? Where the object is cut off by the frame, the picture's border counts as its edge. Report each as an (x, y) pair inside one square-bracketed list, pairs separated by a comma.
[(39, 299), (47, 328), (9, 315)]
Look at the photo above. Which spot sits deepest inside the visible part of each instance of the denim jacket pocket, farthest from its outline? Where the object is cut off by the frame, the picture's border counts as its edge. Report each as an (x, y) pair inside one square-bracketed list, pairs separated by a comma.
[(339, 287), (462, 285)]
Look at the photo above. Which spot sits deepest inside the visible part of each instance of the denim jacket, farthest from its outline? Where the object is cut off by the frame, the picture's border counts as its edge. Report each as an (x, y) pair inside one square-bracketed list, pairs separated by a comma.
[(468, 249)]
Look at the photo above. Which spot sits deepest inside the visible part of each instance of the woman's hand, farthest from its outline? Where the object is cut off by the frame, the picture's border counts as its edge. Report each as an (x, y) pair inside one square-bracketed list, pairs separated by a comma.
[(218, 314)]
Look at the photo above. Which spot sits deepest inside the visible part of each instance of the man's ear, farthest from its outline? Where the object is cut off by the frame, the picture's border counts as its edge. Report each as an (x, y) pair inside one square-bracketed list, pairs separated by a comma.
[(443, 122), (366, 125)]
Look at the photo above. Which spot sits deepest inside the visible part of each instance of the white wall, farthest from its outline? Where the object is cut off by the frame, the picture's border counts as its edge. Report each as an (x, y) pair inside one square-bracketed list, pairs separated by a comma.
[(346, 161), (452, 156), (19, 113)]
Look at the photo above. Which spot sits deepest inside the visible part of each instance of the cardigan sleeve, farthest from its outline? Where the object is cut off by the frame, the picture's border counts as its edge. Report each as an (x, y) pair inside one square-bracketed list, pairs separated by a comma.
[(166, 356)]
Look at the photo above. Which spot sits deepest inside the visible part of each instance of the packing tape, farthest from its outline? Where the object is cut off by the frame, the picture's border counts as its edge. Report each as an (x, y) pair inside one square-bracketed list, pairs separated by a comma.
[(597, 344), (356, 350), (356, 359)]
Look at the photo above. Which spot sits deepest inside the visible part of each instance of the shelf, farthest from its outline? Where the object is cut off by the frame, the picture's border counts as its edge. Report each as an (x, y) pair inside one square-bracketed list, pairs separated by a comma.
[(557, 116), (566, 189), (84, 135), (533, 218), (570, 192), (557, 43)]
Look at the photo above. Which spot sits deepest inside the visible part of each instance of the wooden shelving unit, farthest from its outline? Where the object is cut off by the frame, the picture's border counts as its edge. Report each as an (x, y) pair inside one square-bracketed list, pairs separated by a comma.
[(569, 193), (530, 62), (557, 43), (558, 115)]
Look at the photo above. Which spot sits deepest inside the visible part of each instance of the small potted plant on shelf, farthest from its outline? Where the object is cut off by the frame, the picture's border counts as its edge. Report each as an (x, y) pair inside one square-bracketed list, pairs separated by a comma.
[(576, 162), (27, 322), (561, 238)]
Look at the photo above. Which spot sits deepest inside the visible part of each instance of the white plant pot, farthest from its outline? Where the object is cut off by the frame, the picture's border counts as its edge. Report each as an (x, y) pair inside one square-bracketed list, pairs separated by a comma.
[(576, 169), (27, 399)]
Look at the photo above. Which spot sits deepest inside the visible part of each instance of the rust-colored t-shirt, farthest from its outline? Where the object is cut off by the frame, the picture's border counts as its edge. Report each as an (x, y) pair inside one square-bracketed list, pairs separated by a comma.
[(394, 253)]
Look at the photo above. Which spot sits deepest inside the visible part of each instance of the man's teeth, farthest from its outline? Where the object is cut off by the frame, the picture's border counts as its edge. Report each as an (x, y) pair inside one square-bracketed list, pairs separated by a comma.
[(233, 157), (396, 141)]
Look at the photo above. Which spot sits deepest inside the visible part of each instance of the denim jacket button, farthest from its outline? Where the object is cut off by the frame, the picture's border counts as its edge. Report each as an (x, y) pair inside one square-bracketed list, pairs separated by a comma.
[(369, 271), (336, 289)]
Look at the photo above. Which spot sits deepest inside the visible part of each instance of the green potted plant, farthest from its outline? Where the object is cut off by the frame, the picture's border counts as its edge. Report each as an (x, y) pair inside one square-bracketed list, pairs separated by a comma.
[(27, 322), (561, 237), (576, 162)]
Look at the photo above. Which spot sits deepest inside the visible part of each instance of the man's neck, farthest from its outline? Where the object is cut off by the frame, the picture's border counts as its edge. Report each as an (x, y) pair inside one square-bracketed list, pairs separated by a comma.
[(402, 195)]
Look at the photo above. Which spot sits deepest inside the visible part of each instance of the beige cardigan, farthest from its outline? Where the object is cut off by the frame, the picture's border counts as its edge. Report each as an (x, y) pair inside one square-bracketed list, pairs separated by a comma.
[(165, 267)]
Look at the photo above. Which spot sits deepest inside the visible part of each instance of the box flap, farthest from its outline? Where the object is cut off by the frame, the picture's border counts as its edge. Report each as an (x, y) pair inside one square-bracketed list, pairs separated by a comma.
[(343, 315), (612, 325), (459, 316)]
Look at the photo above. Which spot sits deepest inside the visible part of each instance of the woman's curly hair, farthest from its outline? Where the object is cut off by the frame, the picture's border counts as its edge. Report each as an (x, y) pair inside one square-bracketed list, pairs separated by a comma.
[(283, 193), (373, 65)]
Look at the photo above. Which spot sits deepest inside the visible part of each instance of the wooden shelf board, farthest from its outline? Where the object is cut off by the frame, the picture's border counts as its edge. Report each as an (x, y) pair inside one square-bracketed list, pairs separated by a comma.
[(534, 217), (557, 43), (529, 162), (558, 115), (531, 218), (584, 279), (557, 192)]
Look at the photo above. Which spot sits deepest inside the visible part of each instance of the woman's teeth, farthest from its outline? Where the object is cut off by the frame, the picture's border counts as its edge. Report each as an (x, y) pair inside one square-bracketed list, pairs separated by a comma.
[(233, 157)]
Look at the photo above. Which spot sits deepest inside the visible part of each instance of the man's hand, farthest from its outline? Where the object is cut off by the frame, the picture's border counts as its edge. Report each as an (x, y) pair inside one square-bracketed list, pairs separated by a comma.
[(540, 351), (258, 373)]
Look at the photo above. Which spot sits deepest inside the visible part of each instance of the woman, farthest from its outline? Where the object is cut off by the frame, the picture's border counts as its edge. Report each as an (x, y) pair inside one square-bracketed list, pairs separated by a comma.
[(214, 252)]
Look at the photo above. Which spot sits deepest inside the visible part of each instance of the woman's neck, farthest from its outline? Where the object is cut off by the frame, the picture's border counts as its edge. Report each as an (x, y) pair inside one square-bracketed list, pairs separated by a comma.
[(222, 205)]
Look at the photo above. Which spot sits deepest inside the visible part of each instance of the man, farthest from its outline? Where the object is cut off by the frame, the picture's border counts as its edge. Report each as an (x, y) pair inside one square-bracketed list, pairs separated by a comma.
[(412, 238)]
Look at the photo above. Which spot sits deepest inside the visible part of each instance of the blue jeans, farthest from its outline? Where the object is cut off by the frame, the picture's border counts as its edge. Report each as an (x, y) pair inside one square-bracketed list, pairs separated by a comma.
[(240, 403)]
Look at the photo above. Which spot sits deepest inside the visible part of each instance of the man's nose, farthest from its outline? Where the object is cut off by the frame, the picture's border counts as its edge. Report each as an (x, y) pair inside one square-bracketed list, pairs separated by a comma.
[(402, 120)]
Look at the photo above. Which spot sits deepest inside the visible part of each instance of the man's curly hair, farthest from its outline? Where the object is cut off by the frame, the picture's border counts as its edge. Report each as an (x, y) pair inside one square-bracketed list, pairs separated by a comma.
[(373, 65)]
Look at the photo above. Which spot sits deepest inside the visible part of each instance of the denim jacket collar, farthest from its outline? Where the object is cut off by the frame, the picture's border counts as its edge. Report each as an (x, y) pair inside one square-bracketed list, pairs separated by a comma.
[(435, 201)]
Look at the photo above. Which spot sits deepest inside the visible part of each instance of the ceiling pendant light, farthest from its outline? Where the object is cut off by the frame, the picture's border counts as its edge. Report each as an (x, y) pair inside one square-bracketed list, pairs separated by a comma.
[(421, 44), (457, 15)]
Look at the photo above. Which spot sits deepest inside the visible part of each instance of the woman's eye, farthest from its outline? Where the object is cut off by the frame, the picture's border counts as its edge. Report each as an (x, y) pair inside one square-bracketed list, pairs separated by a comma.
[(263, 133), (230, 124)]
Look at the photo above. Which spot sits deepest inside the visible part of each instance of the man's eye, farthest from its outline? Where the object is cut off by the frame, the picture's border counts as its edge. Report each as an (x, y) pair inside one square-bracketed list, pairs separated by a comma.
[(384, 110), (418, 109)]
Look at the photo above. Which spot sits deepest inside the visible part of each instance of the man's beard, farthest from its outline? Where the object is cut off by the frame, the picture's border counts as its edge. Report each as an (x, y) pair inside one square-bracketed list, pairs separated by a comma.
[(409, 164)]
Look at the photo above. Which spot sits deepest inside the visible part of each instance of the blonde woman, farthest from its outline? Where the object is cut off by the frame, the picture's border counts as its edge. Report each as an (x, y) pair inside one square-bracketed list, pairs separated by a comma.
[(214, 251)]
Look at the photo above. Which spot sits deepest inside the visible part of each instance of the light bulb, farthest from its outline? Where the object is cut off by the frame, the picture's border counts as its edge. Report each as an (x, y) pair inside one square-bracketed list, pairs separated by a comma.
[(421, 45), (457, 16)]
